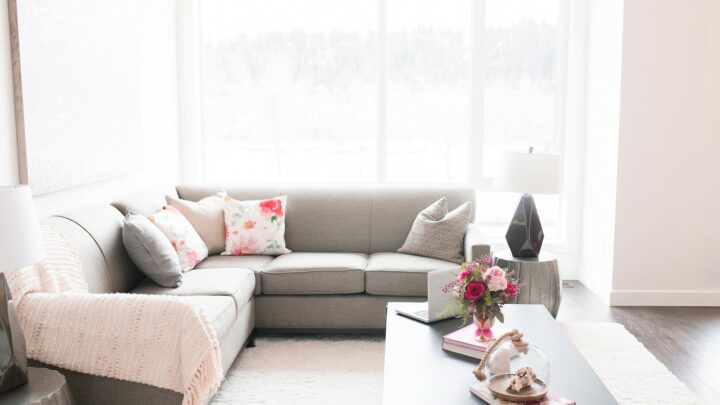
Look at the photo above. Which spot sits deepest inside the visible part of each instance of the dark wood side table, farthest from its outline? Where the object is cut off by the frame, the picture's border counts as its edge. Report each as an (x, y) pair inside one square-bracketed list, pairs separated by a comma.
[(44, 387)]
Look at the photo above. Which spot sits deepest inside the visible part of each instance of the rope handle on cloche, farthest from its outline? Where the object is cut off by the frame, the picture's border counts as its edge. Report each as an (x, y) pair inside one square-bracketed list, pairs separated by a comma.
[(517, 338)]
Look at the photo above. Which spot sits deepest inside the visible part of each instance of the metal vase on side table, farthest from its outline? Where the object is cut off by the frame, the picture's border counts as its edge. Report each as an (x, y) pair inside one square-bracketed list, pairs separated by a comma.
[(539, 279)]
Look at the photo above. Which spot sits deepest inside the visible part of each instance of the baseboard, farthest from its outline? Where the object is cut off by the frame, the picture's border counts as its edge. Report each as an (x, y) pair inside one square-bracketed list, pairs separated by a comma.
[(664, 298)]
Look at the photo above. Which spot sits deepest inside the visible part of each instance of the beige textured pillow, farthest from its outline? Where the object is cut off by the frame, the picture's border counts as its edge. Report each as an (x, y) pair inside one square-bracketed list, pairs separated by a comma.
[(439, 234), (207, 217)]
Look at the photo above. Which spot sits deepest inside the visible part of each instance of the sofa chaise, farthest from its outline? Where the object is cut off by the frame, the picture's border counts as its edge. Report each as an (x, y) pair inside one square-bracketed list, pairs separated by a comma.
[(342, 271)]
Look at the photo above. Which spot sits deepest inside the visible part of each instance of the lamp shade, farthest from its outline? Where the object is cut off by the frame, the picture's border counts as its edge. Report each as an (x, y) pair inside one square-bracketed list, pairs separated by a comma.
[(528, 172), (20, 243)]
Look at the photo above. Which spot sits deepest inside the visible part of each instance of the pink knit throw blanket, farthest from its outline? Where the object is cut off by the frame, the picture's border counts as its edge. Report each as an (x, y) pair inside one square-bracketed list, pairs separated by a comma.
[(163, 341)]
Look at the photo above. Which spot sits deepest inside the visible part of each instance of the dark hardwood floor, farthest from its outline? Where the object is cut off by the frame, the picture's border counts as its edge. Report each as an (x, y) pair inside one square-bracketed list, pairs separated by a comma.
[(685, 339)]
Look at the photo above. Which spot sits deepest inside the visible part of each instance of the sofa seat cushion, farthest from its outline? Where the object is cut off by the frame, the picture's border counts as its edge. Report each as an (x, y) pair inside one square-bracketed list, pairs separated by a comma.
[(256, 263), (401, 274), (221, 311), (315, 273), (235, 283)]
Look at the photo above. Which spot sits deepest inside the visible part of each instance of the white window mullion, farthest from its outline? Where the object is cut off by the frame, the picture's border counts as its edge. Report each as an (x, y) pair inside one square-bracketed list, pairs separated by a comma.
[(563, 146), (381, 91), (477, 96), (190, 124), (561, 74)]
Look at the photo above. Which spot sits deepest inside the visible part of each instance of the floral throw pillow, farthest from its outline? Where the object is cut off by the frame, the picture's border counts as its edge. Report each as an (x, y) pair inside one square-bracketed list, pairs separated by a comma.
[(255, 227), (190, 248)]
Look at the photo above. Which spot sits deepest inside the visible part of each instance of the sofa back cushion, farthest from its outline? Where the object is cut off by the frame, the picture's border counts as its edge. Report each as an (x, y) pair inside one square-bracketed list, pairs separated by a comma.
[(396, 207), (96, 233), (317, 219), (349, 219), (145, 202)]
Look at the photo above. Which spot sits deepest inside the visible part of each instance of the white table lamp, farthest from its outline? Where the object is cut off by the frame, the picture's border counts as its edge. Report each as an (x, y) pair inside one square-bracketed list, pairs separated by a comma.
[(527, 172), (20, 245)]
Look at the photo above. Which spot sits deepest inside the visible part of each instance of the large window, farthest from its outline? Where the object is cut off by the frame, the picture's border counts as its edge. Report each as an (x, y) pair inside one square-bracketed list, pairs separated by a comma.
[(427, 70), (290, 90), (380, 90)]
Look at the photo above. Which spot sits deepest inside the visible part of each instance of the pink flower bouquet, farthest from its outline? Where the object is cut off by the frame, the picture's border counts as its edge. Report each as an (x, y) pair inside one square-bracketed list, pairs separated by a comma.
[(481, 289)]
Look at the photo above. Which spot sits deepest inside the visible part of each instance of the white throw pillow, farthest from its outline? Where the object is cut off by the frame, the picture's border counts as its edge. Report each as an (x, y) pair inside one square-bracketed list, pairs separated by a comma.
[(190, 248), (207, 217), (255, 227)]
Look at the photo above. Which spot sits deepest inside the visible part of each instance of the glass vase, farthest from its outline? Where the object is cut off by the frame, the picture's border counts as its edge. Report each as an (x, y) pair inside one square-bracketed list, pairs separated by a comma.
[(483, 320)]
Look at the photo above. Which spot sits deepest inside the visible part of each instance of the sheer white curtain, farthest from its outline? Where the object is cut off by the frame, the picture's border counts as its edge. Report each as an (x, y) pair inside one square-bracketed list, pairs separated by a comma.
[(380, 91)]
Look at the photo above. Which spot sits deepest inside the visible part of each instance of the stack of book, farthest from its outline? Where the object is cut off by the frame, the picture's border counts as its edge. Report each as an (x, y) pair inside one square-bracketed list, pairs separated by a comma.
[(466, 341), (551, 398)]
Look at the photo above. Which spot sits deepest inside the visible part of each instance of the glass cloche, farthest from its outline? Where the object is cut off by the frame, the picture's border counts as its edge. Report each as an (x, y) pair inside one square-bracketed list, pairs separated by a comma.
[(514, 369)]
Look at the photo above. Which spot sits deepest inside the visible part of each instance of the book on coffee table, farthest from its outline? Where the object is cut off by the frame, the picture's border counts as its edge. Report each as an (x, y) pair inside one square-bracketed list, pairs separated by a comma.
[(551, 398), (464, 340)]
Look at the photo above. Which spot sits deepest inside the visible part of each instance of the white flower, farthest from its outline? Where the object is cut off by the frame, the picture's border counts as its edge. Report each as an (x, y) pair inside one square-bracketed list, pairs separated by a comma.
[(496, 279)]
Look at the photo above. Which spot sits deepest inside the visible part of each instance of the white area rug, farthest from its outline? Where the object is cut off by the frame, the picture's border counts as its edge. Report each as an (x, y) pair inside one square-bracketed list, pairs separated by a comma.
[(631, 373), (306, 370), (322, 370)]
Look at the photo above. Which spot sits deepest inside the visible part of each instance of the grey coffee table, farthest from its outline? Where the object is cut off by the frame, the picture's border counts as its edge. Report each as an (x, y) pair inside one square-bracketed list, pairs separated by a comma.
[(418, 371)]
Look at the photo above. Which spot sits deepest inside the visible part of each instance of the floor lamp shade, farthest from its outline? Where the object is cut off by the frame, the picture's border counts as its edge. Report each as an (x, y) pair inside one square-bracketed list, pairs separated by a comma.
[(20, 245), (527, 172)]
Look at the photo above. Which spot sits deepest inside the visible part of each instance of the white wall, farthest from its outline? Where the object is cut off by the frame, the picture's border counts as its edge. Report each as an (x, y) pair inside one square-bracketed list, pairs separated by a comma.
[(604, 46), (666, 227), (159, 145)]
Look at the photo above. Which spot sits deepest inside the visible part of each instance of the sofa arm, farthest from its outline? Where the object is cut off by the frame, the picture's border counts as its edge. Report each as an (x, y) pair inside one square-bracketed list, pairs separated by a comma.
[(475, 244), (74, 331)]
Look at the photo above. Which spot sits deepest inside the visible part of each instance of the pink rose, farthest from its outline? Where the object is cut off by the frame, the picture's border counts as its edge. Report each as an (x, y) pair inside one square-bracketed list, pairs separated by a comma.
[(271, 207), (474, 290), (494, 271), (496, 280), (463, 275), (512, 290)]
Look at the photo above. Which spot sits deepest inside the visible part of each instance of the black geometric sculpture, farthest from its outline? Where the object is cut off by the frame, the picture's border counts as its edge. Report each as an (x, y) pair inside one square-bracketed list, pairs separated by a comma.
[(13, 363), (525, 234)]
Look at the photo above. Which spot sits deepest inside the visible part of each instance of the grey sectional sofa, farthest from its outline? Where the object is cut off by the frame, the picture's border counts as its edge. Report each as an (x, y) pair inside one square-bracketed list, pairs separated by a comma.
[(342, 271)]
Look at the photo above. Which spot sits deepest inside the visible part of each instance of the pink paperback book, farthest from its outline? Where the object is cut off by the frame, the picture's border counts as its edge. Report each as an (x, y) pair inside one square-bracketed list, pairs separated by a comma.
[(465, 340)]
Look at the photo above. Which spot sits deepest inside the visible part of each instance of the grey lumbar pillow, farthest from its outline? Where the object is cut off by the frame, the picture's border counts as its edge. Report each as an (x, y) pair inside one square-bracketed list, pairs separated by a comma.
[(151, 251), (439, 234)]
